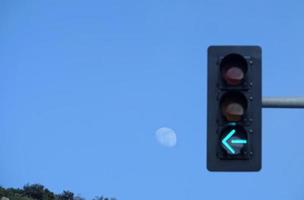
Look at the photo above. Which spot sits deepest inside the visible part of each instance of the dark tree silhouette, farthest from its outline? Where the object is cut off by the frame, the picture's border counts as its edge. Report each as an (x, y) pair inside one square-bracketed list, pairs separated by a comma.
[(39, 192), (66, 195)]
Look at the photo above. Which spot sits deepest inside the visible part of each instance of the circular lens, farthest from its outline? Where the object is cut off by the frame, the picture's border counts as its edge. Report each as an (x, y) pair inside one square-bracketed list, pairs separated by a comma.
[(233, 76), (233, 111), (233, 106), (233, 68), (234, 140)]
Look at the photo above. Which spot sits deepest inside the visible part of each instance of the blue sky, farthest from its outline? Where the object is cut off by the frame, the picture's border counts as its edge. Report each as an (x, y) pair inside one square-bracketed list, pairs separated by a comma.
[(85, 85)]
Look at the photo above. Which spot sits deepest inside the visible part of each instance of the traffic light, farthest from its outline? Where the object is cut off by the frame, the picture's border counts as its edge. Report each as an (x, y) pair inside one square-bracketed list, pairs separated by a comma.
[(234, 108)]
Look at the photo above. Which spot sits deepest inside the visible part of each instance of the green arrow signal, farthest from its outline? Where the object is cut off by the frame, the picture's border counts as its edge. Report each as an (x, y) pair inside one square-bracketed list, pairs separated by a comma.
[(233, 141), (238, 141), (224, 141)]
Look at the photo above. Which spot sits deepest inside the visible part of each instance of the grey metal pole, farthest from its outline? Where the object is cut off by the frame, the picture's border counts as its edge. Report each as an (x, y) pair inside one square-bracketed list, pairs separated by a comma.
[(283, 102)]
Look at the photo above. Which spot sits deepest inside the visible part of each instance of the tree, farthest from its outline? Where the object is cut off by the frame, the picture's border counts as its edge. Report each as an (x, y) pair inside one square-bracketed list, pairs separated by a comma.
[(66, 195), (39, 192), (34, 191)]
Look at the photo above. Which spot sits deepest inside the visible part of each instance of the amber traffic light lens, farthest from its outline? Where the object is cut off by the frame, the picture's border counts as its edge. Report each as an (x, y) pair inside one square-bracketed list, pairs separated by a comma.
[(233, 68), (233, 111), (233, 106)]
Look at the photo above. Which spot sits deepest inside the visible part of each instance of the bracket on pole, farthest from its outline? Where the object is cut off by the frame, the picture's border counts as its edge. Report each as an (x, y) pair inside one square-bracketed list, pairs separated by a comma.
[(283, 102)]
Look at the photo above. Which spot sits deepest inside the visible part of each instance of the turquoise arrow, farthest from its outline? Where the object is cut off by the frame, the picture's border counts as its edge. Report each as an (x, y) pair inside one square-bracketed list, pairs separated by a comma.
[(239, 141), (224, 141), (233, 141)]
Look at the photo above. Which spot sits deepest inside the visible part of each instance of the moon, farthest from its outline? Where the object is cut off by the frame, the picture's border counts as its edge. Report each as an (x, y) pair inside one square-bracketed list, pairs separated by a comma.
[(166, 137)]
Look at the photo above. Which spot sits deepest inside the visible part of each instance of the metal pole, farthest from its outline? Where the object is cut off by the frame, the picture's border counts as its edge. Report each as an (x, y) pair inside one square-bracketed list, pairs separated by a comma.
[(283, 102)]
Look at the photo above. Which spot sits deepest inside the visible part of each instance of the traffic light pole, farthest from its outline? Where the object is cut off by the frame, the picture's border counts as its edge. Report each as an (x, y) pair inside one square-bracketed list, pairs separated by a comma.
[(283, 102)]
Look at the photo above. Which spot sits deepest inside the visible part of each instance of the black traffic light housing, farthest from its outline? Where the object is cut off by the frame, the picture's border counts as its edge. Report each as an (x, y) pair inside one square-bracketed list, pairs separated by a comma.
[(234, 108)]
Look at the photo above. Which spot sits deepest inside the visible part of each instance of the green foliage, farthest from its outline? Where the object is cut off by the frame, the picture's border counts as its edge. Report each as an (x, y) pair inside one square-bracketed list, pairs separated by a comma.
[(66, 195), (13, 194), (39, 192)]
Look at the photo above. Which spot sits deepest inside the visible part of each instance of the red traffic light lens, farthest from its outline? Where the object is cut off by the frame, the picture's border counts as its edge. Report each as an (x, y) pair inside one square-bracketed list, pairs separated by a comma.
[(233, 68), (233, 76)]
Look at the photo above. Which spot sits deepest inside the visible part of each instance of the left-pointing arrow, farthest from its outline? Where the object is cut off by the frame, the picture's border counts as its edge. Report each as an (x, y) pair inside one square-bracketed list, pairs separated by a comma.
[(238, 141), (226, 138)]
